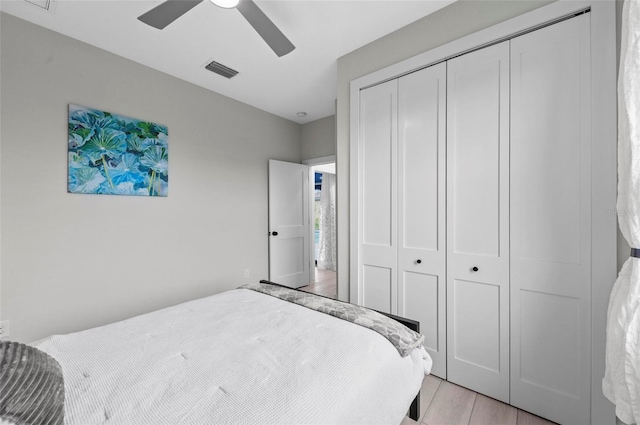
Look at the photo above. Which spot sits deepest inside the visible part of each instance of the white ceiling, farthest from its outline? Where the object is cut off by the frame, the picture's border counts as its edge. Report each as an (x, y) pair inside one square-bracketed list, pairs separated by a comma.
[(303, 80)]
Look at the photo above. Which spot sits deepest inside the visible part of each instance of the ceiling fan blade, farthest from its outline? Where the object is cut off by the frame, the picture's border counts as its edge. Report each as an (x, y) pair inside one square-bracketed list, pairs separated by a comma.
[(167, 12), (278, 42)]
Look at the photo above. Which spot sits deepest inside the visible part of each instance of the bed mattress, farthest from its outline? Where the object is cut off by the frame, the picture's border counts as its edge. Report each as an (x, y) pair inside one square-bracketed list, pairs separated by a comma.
[(239, 357)]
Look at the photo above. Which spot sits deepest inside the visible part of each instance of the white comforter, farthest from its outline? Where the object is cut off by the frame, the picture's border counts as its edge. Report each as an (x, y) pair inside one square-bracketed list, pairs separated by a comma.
[(236, 357)]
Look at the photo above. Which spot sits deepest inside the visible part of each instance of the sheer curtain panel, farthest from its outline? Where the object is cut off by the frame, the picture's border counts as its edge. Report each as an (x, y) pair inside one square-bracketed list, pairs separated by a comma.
[(621, 383), (327, 243)]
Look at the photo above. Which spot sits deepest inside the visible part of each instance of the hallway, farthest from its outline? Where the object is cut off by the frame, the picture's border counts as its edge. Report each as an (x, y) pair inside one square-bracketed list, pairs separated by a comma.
[(324, 284)]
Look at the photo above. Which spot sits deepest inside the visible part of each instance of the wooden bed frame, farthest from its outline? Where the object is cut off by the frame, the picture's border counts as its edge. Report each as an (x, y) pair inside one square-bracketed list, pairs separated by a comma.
[(414, 409)]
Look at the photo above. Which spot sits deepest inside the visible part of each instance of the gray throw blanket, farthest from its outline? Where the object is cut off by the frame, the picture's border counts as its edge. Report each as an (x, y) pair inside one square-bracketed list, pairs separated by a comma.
[(404, 339), (31, 386)]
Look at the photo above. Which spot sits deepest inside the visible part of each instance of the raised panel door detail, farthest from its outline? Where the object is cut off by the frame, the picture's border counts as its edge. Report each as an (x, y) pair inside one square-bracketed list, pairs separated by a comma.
[(548, 320), (377, 129), (476, 311), (377, 288), (474, 145), (420, 302), (293, 259), (421, 114), (549, 170), (290, 193), (422, 297)]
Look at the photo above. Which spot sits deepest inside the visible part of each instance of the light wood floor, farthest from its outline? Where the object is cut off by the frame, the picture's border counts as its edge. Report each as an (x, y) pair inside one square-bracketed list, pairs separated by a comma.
[(444, 403), (324, 284)]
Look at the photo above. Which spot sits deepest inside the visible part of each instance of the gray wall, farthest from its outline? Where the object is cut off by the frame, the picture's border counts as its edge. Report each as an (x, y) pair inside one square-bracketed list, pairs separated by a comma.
[(319, 138), (623, 246), (447, 24), (72, 261)]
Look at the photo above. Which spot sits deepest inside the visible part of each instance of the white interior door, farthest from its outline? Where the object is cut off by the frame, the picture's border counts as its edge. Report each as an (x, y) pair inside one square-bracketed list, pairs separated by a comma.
[(551, 222), (377, 269), (289, 221), (478, 221), (421, 207)]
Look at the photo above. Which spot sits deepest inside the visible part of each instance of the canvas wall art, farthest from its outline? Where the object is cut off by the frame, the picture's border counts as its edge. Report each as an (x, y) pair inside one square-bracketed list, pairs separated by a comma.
[(111, 154)]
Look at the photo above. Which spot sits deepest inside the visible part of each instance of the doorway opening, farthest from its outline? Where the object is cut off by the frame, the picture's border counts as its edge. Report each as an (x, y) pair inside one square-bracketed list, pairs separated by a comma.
[(323, 226)]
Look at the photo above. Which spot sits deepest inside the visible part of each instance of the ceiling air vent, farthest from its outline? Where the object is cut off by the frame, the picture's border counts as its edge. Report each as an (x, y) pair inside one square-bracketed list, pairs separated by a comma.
[(220, 69)]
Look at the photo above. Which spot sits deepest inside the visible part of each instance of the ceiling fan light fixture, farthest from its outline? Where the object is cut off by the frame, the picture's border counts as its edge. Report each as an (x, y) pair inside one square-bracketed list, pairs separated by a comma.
[(227, 4), (170, 10)]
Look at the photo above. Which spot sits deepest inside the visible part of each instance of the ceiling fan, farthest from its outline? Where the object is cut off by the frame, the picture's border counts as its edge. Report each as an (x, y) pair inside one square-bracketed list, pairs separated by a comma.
[(167, 12)]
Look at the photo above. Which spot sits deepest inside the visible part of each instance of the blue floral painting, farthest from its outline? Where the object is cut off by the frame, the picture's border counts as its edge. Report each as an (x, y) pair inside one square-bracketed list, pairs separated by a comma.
[(114, 155)]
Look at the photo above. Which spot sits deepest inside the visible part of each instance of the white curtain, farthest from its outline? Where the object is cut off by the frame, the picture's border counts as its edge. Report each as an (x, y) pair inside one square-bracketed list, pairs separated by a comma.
[(621, 383), (327, 242)]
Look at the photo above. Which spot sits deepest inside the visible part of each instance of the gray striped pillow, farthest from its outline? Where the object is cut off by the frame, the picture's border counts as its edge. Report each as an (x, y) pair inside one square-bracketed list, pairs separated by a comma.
[(31, 386)]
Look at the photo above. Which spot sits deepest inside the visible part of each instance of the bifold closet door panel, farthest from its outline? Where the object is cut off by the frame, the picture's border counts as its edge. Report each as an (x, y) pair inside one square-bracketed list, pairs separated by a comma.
[(421, 206), (378, 145), (551, 222), (478, 221)]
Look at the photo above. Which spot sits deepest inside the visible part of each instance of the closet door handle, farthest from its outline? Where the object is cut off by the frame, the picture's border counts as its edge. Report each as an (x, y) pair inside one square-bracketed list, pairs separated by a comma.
[(418, 261), (475, 269), (274, 233)]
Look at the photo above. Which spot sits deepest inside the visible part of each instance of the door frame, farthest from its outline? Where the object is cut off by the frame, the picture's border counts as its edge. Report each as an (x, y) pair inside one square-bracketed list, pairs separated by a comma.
[(311, 163), (604, 171)]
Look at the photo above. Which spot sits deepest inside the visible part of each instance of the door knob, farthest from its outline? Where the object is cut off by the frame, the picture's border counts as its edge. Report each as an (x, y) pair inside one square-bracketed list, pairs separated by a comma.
[(274, 233), (474, 268), (418, 261)]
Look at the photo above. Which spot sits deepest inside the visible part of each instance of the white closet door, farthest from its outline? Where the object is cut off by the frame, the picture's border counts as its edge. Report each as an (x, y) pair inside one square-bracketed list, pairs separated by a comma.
[(421, 207), (551, 222), (378, 139), (478, 221)]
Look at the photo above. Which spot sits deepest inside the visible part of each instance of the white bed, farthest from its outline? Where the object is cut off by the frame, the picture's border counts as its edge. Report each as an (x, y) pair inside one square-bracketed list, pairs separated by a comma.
[(236, 357)]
